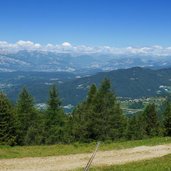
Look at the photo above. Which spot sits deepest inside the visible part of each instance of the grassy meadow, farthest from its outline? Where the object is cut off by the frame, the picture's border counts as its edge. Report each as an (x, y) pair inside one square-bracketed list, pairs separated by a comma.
[(61, 149), (158, 164)]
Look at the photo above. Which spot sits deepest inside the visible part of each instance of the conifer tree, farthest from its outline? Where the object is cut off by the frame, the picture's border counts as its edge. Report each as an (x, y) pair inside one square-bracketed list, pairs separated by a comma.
[(80, 123), (167, 120), (99, 117), (136, 128), (82, 118), (7, 124), (55, 123), (26, 114), (54, 101), (151, 122), (91, 94), (132, 128), (109, 122)]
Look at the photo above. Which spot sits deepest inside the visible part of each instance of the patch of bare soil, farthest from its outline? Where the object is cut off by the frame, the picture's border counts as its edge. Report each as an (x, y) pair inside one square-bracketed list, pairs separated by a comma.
[(74, 161)]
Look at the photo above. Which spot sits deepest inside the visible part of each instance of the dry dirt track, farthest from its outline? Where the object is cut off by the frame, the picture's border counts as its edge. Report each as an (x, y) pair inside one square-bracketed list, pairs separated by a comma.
[(71, 162)]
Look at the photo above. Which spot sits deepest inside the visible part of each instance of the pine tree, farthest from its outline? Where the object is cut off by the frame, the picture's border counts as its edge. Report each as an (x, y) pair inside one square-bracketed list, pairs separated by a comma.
[(55, 123), (151, 122), (7, 123), (54, 101), (132, 128), (26, 115), (136, 128), (109, 122), (82, 120), (167, 120), (99, 117), (91, 94), (80, 123)]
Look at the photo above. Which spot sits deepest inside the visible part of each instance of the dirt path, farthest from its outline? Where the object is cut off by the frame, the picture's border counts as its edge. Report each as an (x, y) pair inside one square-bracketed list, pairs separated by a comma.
[(71, 162)]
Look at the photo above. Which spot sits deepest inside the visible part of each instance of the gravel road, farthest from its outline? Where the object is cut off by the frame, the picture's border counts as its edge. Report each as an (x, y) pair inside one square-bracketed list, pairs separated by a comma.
[(74, 161)]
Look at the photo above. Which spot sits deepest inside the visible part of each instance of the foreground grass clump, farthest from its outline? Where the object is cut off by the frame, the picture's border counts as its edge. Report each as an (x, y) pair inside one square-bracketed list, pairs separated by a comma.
[(159, 164), (60, 149)]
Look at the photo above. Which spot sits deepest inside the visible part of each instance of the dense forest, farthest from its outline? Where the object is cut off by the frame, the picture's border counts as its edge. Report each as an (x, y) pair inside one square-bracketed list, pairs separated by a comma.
[(98, 118)]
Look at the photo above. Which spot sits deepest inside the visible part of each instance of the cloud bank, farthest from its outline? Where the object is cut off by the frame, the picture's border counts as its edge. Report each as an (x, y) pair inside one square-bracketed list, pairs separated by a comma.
[(67, 47)]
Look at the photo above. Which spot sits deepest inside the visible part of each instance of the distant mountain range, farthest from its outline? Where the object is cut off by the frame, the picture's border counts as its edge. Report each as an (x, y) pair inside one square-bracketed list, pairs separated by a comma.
[(44, 61), (132, 76), (127, 83)]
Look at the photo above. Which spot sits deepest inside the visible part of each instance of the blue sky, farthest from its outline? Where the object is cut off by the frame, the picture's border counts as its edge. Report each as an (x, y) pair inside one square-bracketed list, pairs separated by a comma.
[(116, 23)]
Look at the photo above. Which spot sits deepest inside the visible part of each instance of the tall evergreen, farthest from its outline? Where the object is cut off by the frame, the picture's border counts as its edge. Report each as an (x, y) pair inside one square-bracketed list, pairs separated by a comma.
[(109, 122), (99, 117), (150, 119), (167, 120), (7, 123), (82, 118), (26, 114), (55, 122), (132, 128), (79, 121), (54, 101), (136, 129), (91, 94)]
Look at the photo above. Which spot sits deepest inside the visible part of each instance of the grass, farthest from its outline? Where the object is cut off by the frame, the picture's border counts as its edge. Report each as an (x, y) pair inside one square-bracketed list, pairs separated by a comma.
[(60, 149), (158, 164)]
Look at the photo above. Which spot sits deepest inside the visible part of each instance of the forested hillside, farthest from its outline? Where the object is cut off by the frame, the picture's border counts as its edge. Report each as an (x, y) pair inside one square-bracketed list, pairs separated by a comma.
[(98, 117), (132, 83)]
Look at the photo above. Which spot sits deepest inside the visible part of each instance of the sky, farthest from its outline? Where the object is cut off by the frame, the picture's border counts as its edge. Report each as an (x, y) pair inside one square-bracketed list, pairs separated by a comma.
[(116, 23)]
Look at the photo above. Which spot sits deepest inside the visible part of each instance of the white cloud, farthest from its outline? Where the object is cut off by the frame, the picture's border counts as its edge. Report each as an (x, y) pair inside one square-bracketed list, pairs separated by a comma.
[(3, 43), (37, 45), (25, 43), (66, 44), (67, 47), (49, 45)]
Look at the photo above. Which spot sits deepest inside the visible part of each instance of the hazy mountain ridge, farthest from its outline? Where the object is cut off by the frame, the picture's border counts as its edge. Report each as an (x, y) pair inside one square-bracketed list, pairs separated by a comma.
[(132, 83), (76, 63), (74, 73)]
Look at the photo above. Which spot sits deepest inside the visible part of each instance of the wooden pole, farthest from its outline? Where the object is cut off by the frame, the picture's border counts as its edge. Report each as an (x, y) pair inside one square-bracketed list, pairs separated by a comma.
[(91, 158)]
